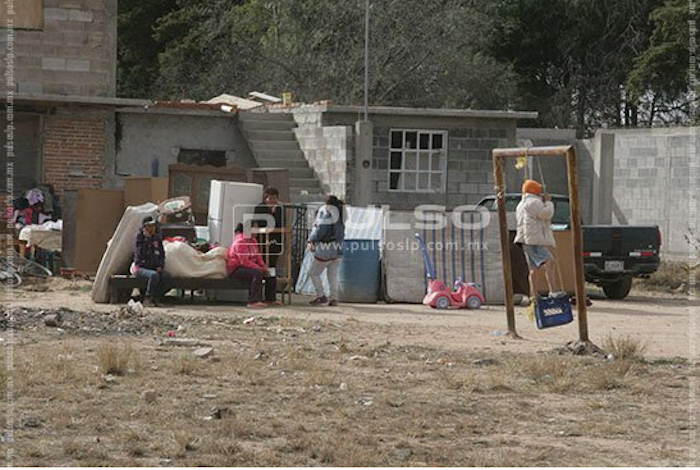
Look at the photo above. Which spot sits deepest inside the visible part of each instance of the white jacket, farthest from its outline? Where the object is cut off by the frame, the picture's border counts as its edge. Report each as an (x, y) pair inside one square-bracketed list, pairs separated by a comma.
[(534, 219)]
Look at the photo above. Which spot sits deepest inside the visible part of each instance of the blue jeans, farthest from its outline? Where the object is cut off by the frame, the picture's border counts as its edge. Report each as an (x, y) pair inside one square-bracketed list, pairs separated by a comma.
[(536, 255), (156, 281)]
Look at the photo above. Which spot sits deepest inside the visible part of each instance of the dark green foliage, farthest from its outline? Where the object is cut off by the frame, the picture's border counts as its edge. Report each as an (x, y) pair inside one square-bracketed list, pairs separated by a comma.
[(579, 63)]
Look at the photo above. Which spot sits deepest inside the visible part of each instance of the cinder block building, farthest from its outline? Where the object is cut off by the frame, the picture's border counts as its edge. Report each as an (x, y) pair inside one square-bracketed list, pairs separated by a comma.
[(63, 47), (60, 69)]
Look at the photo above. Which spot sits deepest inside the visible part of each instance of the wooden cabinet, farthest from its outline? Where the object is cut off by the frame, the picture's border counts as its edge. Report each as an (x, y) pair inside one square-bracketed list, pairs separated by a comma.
[(138, 190), (195, 182)]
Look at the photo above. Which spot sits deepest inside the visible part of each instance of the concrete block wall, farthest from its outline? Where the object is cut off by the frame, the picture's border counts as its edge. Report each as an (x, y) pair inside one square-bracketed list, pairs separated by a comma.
[(469, 166), (653, 182), (74, 54), (73, 150), (554, 170), (329, 150)]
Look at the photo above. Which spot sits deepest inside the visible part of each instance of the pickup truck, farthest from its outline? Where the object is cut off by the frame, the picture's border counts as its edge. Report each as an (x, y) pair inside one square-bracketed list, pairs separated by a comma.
[(612, 254)]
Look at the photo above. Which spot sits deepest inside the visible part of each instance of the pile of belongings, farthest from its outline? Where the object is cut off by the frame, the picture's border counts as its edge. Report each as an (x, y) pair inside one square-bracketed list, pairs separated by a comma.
[(38, 205), (183, 260)]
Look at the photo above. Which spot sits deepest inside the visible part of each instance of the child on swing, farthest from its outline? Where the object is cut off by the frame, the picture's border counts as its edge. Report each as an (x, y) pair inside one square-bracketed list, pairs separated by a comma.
[(534, 217)]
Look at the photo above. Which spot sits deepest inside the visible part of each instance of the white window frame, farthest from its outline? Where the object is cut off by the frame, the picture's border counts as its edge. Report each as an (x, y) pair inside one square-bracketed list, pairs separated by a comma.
[(442, 170)]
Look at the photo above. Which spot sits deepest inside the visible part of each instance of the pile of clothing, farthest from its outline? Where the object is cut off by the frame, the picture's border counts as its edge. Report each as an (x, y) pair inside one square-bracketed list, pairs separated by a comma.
[(38, 205)]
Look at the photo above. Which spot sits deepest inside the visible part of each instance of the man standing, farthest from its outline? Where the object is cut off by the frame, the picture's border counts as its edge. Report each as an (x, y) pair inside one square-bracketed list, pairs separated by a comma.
[(270, 208)]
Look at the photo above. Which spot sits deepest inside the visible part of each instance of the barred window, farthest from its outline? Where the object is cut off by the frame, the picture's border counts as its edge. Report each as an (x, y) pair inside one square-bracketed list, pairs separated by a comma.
[(417, 161)]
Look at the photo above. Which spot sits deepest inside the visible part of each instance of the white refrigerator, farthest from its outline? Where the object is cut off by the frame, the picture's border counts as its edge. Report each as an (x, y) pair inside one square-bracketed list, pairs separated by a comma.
[(229, 204)]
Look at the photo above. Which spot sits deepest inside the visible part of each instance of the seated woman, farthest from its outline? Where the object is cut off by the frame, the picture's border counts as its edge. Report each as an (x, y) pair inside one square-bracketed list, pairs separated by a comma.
[(245, 262)]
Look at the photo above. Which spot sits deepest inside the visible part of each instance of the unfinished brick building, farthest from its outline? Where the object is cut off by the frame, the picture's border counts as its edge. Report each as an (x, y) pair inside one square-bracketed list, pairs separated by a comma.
[(60, 68)]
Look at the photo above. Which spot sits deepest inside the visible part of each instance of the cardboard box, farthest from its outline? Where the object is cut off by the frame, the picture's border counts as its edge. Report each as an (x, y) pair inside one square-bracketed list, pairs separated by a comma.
[(564, 254), (139, 190)]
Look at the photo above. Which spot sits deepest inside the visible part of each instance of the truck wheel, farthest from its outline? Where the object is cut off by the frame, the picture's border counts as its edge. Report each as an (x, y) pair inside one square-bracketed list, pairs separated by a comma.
[(619, 289)]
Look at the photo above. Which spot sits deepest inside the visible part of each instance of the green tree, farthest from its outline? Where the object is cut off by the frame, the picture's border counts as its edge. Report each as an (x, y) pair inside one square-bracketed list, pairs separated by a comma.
[(137, 51), (661, 74), (422, 54), (572, 57)]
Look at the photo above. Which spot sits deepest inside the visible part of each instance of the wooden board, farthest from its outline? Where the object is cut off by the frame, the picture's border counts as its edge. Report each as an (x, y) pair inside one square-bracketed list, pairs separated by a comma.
[(28, 14), (139, 190), (564, 254), (97, 214)]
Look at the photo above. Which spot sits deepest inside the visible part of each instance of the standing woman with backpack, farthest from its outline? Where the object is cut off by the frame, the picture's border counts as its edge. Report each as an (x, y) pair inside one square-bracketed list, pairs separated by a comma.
[(326, 246)]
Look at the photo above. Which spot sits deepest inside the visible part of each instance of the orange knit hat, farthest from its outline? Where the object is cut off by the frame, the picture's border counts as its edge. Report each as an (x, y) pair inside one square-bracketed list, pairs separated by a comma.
[(532, 187)]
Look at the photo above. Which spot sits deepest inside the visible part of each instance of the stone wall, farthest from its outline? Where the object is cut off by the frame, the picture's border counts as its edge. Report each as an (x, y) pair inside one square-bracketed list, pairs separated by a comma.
[(329, 150), (73, 54)]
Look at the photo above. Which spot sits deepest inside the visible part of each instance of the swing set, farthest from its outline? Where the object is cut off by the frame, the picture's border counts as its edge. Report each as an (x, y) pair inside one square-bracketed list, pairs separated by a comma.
[(500, 156)]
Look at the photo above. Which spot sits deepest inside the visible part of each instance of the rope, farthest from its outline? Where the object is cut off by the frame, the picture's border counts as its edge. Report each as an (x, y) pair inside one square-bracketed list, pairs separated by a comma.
[(539, 168), (523, 158), (556, 255)]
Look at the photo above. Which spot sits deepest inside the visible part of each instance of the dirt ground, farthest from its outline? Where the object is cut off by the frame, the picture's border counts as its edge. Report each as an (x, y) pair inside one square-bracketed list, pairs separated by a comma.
[(356, 385)]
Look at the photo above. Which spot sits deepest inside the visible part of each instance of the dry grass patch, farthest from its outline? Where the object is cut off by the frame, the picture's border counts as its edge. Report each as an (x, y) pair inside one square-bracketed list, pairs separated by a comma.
[(551, 373), (274, 399), (185, 441), (610, 376), (184, 364), (89, 454), (625, 348), (672, 276), (114, 359)]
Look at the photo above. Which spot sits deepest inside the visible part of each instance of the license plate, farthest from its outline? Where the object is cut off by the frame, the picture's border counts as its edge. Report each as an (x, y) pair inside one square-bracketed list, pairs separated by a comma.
[(614, 266)]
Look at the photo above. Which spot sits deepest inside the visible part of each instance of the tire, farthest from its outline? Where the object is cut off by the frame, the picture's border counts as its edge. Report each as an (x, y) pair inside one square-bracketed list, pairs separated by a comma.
[(473, 303), (618, 290), (28, 267), (442, 303), (10, 279)]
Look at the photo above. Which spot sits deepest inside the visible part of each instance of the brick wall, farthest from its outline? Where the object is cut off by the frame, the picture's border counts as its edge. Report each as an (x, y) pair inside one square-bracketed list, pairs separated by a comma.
[(73, 151)]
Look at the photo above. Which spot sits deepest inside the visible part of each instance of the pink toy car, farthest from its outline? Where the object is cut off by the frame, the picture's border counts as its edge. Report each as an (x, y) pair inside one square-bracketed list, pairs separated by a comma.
[(464, 295)]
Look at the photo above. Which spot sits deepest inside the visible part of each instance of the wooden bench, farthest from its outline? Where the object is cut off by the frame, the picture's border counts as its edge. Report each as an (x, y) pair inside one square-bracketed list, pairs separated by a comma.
[(120, 285)]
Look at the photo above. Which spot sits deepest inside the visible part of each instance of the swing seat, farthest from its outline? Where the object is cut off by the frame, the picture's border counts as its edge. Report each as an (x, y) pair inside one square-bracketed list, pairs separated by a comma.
[(553, 312)]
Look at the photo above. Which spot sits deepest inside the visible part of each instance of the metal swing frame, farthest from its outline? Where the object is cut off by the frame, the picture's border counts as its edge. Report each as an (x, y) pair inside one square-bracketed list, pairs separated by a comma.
[(500, 155)]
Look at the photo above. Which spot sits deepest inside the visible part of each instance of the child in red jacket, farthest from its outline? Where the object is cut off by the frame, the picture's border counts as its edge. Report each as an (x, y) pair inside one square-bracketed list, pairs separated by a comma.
[(245, 262)]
